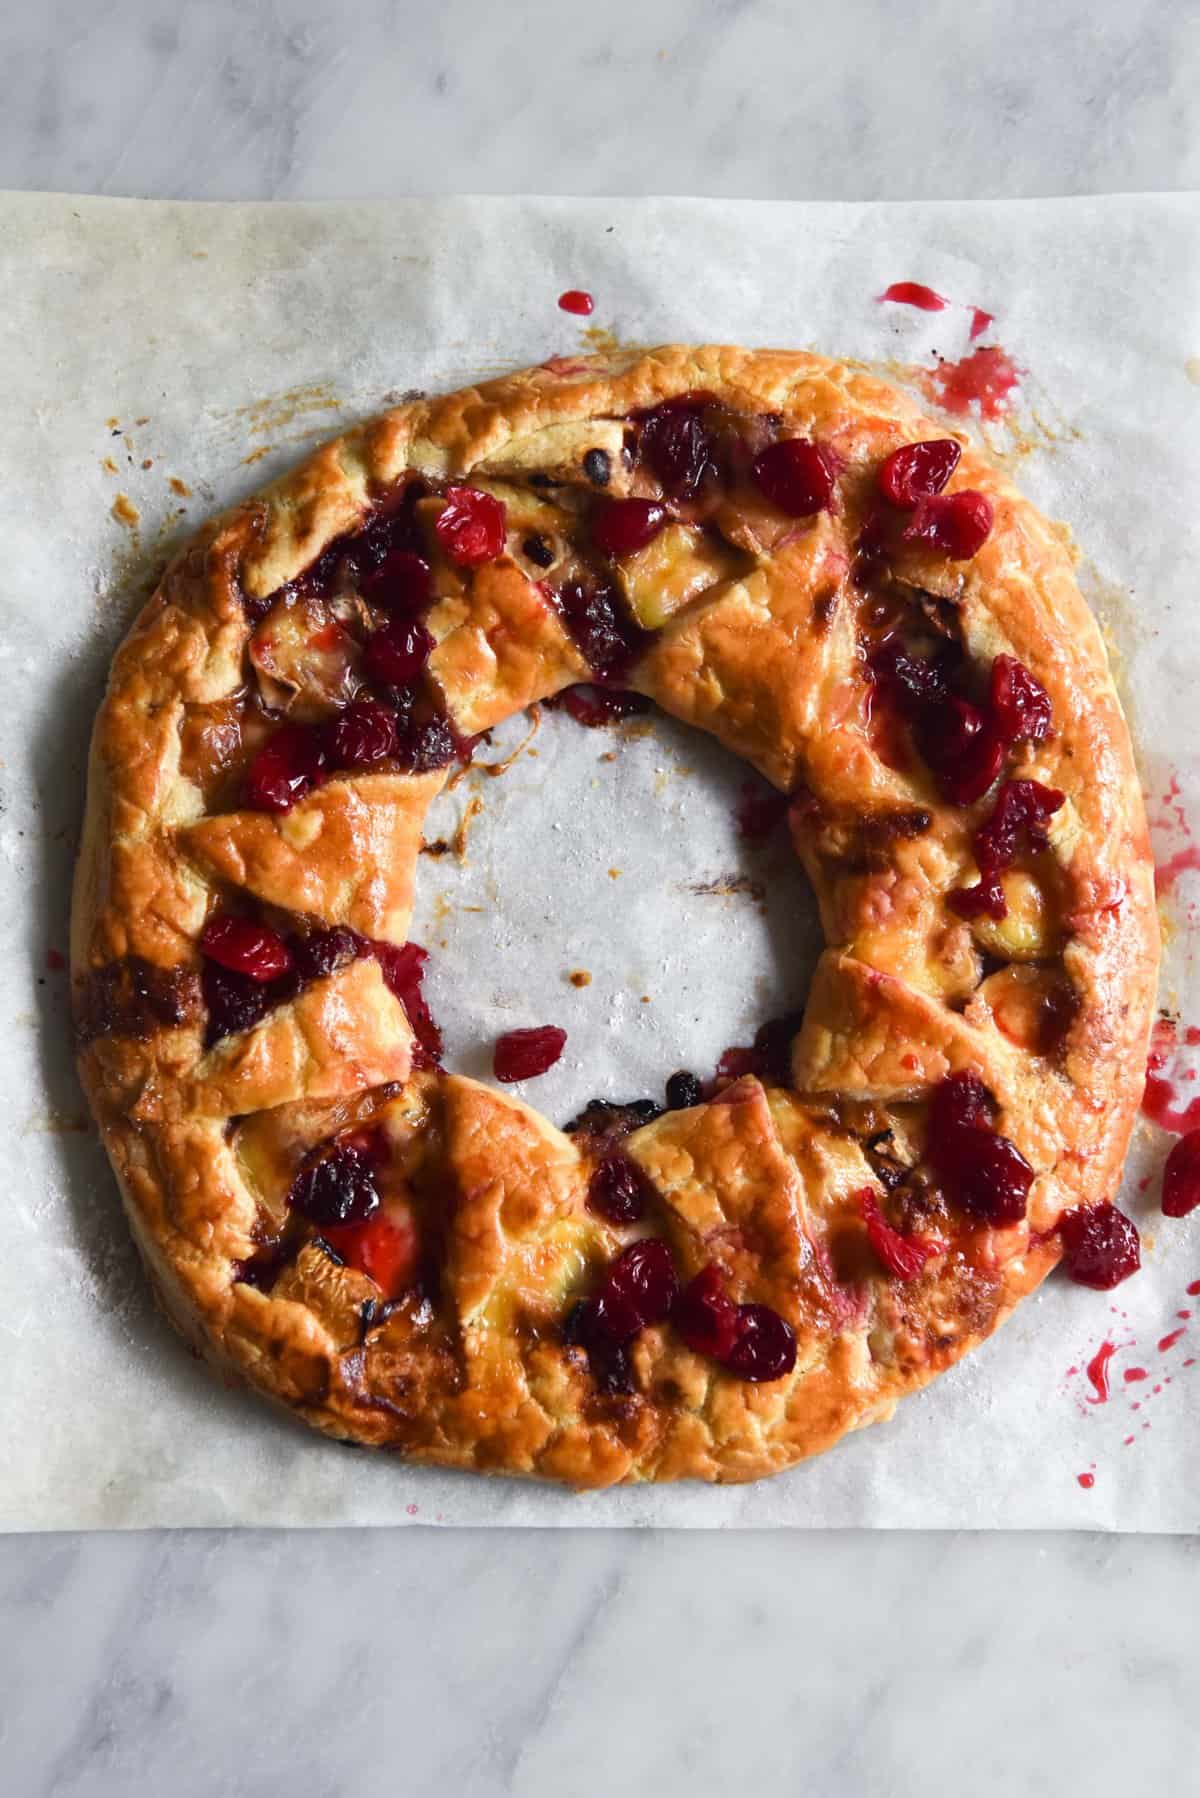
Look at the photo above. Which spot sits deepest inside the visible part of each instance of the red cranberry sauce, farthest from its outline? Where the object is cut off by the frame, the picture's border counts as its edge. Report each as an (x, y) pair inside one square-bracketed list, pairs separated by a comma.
[(596, 707), (982, 1172), (1100, 1246)]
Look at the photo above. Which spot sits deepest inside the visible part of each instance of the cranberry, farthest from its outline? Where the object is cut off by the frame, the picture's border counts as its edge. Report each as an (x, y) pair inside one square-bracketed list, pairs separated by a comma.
[(911, 680), (403, 969), (338, 1189), (760, 811), (987, 899), (363, 736), (607, 639), (287, 766), (608, 1361), (1181, 1177), (396, 654), (618, 1191), (1019, 703), (797, 476), (765, 1348), (957, 525), (963, 751), (524, 1054), (598, 706), (1100, 1245), (234, 1002), (773, 1047), (470, 527), (683, 1091), (245, 947), (770, 1057), (577, 301), (638, 1289), (323, 953), (904, 1257), (428, 743), (917, 471), (262, 1269), (623, 526), (401, 583), (678, 446), (735, 1062), (959, 1102), (1023, 808), (985, 1174), (705, 1316)]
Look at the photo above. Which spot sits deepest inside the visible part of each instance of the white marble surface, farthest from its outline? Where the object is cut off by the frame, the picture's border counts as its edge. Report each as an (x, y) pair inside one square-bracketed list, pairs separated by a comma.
[(462, 1663)]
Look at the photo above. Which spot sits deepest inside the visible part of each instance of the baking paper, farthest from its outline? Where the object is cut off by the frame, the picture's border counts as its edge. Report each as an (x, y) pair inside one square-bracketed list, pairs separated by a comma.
[(160, 361)]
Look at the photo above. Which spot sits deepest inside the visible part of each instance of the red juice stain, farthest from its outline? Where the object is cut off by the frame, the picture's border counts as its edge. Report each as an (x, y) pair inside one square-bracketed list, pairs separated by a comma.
[(1184, 861), (55, 961), (1097, 1372), (1127, 1441), (1071, 1370), (1190, 1362), (575, 300), (1184, 1314), (1194, 1289), (1154, 1389), (1135, 1373), (985, 378), (1086, 1480), (1167, 1342), (1160, 1101), (980, 320), (914, 293)]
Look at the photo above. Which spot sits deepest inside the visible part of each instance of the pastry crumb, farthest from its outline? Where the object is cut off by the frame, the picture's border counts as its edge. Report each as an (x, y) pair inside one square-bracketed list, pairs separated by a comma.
[(645, 999), (580, 977), (125, 512), (108, 465), (614, 873), (179, 487)]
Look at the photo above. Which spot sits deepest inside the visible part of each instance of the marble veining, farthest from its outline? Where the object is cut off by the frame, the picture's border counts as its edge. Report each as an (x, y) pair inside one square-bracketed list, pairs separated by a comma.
[(478, 1663)]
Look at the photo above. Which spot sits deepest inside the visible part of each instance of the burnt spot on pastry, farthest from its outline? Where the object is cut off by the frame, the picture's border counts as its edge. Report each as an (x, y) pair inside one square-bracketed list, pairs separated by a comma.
[(597, 466), (539, 550), (825, 605), (132, 997)]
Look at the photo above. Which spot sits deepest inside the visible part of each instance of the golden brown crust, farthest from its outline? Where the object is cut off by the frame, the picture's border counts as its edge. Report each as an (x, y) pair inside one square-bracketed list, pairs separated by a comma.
[(760, 1181)]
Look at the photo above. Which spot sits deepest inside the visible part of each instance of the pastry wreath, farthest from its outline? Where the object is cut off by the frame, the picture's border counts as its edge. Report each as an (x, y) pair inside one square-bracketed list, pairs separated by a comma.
[(785, 552)]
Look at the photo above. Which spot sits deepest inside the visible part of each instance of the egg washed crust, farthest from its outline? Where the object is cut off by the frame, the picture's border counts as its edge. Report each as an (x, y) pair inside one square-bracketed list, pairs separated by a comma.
[(761, 1178)]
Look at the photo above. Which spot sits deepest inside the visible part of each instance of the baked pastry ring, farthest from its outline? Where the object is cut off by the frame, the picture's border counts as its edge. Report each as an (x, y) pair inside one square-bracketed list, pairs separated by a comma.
[(783, 551)]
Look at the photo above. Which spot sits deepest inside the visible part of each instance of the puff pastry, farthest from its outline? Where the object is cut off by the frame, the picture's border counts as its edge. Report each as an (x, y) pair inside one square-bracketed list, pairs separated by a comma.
[(783, 551)]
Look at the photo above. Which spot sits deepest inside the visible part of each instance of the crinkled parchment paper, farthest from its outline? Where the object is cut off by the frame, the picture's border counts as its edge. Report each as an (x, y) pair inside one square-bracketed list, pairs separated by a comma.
[(160, 360)]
